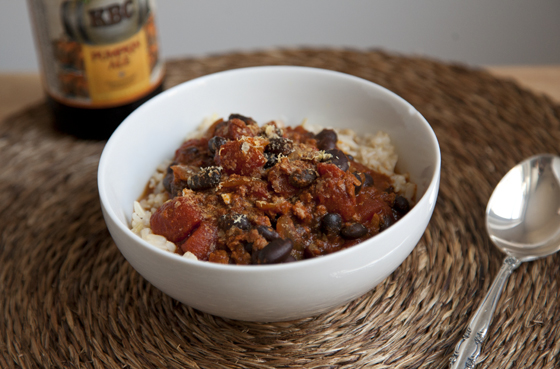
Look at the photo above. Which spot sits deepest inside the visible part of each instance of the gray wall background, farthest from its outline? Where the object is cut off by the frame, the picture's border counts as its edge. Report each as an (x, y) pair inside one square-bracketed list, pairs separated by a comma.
[(473, 32)]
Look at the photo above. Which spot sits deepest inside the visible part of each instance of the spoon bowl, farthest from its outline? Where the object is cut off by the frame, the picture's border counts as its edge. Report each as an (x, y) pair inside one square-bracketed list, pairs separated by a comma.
[(523, 214), (523, 221)]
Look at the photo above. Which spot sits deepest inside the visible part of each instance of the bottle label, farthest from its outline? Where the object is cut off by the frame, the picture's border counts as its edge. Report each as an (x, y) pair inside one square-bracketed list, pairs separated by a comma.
[(97, 53)]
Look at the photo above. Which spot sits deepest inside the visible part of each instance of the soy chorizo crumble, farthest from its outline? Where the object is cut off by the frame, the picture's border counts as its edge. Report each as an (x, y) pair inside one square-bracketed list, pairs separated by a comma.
[(244, 194)]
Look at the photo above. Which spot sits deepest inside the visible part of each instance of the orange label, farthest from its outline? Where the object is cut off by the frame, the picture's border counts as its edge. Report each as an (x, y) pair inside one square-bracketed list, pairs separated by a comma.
[(97, 53), (117, 71)]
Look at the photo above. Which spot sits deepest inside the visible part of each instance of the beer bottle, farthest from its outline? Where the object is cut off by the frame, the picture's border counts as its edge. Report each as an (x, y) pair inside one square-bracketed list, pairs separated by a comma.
[(99, 61)]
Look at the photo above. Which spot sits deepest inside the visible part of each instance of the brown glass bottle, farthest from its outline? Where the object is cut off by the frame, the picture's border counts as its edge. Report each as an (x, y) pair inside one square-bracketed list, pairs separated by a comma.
[(95, 124), (99, 60)]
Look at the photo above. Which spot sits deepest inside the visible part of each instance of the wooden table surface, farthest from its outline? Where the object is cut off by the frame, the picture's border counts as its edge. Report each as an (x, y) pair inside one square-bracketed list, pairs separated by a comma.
[(20, 90)]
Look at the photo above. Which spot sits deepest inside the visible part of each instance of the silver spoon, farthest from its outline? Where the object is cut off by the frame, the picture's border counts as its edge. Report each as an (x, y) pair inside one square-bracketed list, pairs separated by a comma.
[(523, 221)]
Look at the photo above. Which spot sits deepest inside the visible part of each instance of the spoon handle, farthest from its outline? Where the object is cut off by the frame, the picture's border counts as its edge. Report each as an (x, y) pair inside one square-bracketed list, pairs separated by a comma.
[(468, 349)]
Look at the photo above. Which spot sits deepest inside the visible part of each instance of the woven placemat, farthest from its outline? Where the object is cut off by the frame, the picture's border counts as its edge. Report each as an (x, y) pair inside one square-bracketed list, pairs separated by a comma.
[(68, 299)]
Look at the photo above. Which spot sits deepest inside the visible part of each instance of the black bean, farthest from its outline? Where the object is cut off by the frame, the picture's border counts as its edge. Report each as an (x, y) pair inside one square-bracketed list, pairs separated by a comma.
[(401, 205), (176, 187), (368, 181), (302, 178), (310, 252), (215, 142), (247, 120), (331, 223), (268, 232), (353, 231), (207, 178), (276, 251), (271, 160), (350, 157), (240, 221), (228, 221), (168, 179), (359, 187), (326, 139), (248, 247), (279, 146), (338, 158), (289, 259), (387, 222), (274, 220), (255, 256)]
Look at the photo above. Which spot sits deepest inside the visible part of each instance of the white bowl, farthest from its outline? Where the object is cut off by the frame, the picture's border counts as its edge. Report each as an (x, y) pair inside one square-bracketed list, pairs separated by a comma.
[(273, 292)]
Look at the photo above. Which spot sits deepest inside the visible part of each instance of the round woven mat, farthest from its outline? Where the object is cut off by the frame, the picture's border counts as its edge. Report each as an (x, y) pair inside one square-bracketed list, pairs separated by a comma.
[(69, 299)]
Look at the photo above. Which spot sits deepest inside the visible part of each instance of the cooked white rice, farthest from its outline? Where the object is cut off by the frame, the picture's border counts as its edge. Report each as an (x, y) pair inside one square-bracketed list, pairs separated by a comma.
[(373, 150)]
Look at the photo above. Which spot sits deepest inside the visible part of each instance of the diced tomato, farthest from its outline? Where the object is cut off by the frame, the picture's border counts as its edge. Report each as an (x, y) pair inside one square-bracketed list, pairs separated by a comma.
[(371, 201), (241, 157), (280, 182), (234, 129), (202, 242), (176, 219), (335, 190), (194, 152), (298, 134)]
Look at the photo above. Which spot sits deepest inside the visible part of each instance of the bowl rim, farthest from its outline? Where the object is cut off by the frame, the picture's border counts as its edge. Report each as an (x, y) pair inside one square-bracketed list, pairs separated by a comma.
[(112, 142)]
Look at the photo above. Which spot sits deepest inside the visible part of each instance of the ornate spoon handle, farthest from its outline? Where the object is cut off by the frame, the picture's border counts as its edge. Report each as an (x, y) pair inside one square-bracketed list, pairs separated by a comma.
[(468, 349)]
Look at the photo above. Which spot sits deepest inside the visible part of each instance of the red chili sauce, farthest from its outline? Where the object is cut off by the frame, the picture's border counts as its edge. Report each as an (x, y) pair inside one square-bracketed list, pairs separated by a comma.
[(244, 194)]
